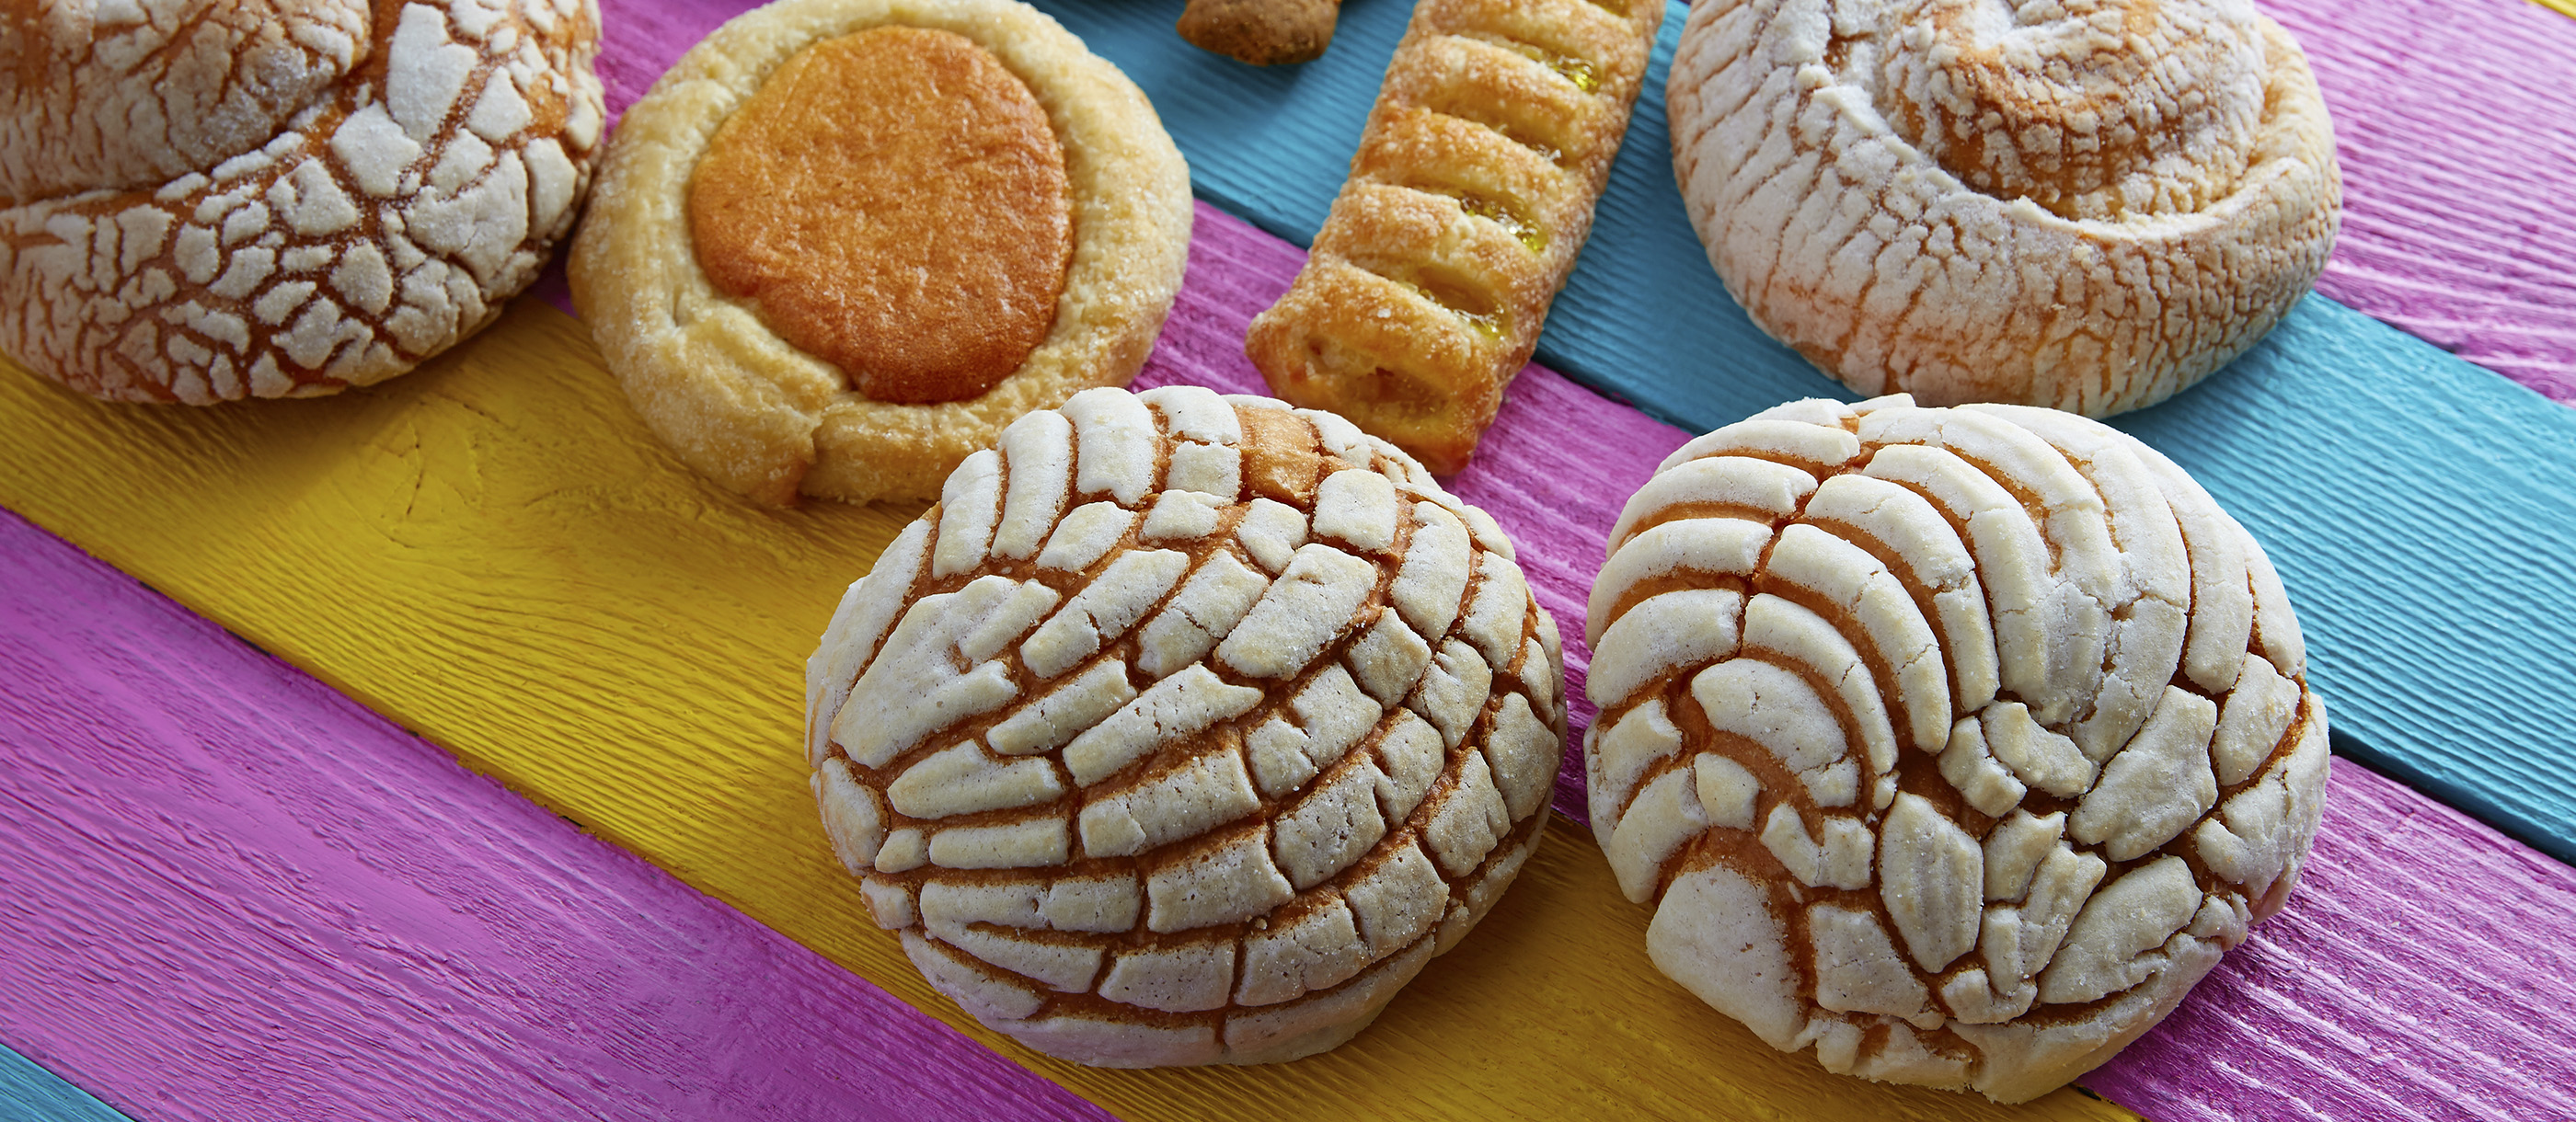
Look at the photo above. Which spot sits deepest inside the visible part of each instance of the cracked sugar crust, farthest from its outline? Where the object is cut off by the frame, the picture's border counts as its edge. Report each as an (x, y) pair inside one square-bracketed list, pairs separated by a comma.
[(1469, 199), (125, 96), (1185, 729), (1957, 744), (2081, 204), (747, 409), (300, 199)]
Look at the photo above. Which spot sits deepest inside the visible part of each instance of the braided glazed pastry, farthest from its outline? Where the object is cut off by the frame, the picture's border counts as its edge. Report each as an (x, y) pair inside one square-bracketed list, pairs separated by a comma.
[(2083, 204), (1471, 195), (1185, 729), (216, 199), (1956, 743)]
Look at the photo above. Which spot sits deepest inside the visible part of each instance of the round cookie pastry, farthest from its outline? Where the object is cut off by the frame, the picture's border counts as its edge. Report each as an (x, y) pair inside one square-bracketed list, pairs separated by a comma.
[(2082, 204), (214, 199), (843, 242), (1956, 743), (1185, 729)]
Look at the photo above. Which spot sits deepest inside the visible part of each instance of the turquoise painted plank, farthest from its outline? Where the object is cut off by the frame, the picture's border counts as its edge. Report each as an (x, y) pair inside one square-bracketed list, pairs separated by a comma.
[(2421, 510), (29, 1093), (1273, 146)]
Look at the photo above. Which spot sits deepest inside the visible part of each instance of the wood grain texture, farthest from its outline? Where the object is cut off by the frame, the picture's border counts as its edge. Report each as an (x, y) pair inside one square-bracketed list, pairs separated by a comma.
[(2454, 152), (493, 553), (29, 1093), (2409, 423), (2442, 952), (1554, 470), (1645, 320), (2451, 122), (2398, 982), (2422, 514), (233, 893), (2349, 421), (571, 707)]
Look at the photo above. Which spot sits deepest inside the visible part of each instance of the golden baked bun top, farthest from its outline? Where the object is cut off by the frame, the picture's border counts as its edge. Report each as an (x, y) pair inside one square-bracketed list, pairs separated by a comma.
[(768, 417), (135, 95), (1185, 728), (894, 201), (1957, 744), (2081, 204), (2091, 108)]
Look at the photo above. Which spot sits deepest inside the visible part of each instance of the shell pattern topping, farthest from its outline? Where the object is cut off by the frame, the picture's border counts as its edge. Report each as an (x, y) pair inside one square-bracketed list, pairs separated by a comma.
[(1954, 743), (1185, 728)]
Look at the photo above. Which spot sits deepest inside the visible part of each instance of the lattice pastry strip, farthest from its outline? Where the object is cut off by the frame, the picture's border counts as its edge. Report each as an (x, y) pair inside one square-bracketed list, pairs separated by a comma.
[(307, 204), (1185, 728), (1957, 744), (1468, 201)]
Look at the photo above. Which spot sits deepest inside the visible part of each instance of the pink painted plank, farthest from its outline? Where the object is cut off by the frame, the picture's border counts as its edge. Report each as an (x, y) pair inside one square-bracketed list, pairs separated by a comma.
[(2455, 121), (2425, 969), (233, 893), (639, 39), (1554, 470)]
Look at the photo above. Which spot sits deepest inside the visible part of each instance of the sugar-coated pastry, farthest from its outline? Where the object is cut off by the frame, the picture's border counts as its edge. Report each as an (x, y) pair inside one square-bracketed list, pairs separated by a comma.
[(1956, 744), (843, 242), (2082, 204), (1185, 729), (1471, 196), (206, 200)]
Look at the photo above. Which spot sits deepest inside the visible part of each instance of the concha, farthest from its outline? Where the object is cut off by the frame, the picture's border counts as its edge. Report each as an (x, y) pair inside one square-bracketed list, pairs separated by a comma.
[(1956, 744), (1185, 729)]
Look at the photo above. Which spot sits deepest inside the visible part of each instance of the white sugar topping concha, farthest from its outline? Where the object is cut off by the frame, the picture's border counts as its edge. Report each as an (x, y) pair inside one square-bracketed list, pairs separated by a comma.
[(1955, 743), (206, 200), (1185, 729), (2082, 204)]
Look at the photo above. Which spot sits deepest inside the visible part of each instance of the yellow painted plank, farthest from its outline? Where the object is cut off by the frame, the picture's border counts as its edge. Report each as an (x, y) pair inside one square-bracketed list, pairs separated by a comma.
[(2566, 6), (493, 553)]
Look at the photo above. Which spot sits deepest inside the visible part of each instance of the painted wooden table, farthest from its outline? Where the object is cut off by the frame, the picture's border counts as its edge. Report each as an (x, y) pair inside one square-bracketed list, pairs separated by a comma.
[(432, 751)]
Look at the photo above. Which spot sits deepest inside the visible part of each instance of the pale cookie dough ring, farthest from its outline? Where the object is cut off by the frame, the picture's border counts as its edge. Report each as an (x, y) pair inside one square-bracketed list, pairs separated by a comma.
[(1254, 721), (443, 151), (2095, 272), (762, 417), (1955, 744)]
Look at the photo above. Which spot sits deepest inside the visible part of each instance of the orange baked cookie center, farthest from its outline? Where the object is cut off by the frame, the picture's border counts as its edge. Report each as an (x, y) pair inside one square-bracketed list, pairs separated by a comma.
[(894, 203)]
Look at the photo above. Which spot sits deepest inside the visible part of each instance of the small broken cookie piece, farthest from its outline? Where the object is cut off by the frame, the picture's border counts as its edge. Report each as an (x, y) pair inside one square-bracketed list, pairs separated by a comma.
[(1261, 32), (208, 201), (2088, 205), (1468, 202), (1185, 729), (843, 242), (1956, 744)]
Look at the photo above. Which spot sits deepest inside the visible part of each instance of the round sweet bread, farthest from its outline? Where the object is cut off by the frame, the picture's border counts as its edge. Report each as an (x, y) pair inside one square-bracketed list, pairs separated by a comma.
[(1185, 729), (1956, 743), (843, 242), (215, 199), (2081, 204)]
